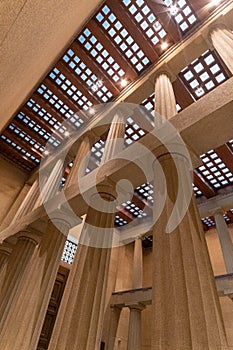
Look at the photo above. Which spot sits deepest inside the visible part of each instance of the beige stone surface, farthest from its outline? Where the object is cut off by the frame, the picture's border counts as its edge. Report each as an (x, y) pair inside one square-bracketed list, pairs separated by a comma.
[(12, 180), (33, 34)]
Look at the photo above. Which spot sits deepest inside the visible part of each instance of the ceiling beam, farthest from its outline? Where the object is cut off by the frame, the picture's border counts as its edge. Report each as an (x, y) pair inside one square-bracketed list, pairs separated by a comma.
[(48, 108), (27, 130), (203, 186), (10, 150), (183, 97)]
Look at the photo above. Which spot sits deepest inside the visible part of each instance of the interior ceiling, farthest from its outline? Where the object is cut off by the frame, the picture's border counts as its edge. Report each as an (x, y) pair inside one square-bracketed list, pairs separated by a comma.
[(122, 40)]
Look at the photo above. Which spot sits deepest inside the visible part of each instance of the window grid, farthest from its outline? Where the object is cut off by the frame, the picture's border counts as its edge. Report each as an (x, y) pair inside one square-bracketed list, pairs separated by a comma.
[(133, 209), (197, 191), (125, 43), (119, 221), (69, 252), (26, 138), (96, 86), (38, 129), (49, 119), (182, 13), (230, 144), (203, 74), (101, 55), (70, 89), (26, 154), (133, 132), (146, 191), (17, 160), (214, 171), (60, 106), (208, 221), (147, 20)]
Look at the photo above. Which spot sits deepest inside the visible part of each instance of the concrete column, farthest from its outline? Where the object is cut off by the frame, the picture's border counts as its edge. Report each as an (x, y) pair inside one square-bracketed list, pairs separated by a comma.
[(80, 162), (29, 200), (114, 321), (137, 264), (134, 333), (222, 40), (185, 305), (51, 186), (225, 239), (16, 308), (80, 318), (46, 263), (5, 251)]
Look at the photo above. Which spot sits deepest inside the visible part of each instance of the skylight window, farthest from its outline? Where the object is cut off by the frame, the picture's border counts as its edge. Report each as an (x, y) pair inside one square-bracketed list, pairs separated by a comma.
[(133, 131), (197, 191), (87, 76), (215, 171), (119, 221), (145, 17), (69, 252), (59, 105), (101, 55), (182, 13), (125, 43), (71, 90), (208, 221), (203, 74), (26, 138), (38, 129), (146, 191), (25, 153), (134, 210)]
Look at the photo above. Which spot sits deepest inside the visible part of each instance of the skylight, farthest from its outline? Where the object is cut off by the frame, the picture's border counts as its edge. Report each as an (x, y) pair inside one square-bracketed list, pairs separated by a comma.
[(145, 17), (87, 76), (101, 55), (119, 34), (215, 171), (203, 74), (133, 131), (182, 13), (71, 90)]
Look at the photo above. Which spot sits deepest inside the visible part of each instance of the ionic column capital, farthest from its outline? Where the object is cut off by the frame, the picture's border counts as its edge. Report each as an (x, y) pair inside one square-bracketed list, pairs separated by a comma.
[(5, 249), (165, 70), (28, 235), (137, 307)]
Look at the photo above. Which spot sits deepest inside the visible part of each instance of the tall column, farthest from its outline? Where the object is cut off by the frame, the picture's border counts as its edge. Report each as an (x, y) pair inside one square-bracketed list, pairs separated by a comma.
[(46, 263), (29, 200), (51, 186), (222, 40), (115, 314), (186, 310), (134, 334), (16, 295), (137, 264), (225, 239), (80, 165), (80, 317), (5, 251)]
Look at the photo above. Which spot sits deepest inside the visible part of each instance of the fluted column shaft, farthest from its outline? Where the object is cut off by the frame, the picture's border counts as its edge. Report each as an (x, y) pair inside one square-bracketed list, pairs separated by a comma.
[(80, 318), (29, 200), (16, 295), (5, 251), (45, 264), (80, 162), (225, 240), (114, 321), (134, 334), (51, 186), (186, 310), (222, 40), (137, 264)]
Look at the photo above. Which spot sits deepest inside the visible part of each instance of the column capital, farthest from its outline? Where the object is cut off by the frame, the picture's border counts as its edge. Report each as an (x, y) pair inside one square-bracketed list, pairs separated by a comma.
[(165, 70), (28, 235), (5, 248), (63, 219), (217, 210), (136, 306)]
